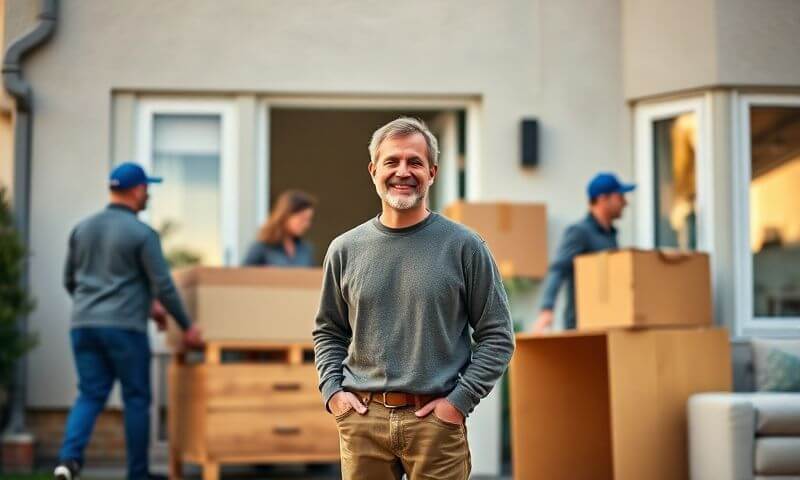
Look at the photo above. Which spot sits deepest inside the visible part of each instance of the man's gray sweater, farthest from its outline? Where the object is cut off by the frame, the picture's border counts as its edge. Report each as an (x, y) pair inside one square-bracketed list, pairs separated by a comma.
[(114, 269), (396, 310)]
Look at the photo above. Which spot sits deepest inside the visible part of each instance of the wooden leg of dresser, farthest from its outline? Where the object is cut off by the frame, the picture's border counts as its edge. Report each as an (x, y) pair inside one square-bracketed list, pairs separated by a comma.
[(210, 471)]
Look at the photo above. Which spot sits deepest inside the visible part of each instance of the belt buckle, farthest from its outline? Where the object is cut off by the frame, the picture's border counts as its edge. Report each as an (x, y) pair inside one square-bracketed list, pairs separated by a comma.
[(386, 403)]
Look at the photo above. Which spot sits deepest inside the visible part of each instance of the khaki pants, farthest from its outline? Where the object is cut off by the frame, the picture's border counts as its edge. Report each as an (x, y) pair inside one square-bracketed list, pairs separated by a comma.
[(386, 442)]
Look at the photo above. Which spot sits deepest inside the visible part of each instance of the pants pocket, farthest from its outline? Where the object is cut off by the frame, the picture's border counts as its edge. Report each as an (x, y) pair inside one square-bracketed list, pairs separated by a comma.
[(444, 423), (344, 415)]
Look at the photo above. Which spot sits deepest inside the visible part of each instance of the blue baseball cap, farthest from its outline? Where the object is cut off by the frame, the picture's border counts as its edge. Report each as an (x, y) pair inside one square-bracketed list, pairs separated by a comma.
[(129, 175), (605, 183)]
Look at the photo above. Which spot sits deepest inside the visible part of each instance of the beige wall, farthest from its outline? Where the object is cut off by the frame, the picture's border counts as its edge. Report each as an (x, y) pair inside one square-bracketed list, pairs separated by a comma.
[(758, 42), (668, 46), (557, 60), (686, 44), (19, 17)]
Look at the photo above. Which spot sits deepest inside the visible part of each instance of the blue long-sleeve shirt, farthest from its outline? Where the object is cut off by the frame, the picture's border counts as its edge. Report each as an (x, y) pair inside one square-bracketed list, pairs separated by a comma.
[(585, 236), (113, 270), (264, 254)]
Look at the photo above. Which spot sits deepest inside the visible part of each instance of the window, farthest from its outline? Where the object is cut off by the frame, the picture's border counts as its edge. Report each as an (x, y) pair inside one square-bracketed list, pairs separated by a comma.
[(674, 145), (768, 194), (673, 172), (186, 153), (190, 143)]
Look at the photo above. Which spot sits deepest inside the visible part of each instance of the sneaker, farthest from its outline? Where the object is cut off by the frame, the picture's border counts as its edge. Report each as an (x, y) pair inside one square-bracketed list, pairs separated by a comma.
[(67, 470)]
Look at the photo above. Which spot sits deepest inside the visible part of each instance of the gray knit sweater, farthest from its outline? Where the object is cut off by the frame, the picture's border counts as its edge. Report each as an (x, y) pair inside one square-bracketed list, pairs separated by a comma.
[(113, 270), (398, 307)]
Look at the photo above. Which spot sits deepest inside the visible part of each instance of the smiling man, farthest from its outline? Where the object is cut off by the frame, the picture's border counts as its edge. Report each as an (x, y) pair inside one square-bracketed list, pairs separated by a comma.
[(400, 296)]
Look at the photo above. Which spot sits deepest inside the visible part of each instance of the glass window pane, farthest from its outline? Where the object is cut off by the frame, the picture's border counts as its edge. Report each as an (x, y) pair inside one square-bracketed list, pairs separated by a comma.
[(674, 147), (185, 209), (775, 210)]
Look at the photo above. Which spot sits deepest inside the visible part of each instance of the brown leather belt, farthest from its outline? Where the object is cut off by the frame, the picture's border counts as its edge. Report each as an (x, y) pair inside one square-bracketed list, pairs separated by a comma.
[(394, 399)]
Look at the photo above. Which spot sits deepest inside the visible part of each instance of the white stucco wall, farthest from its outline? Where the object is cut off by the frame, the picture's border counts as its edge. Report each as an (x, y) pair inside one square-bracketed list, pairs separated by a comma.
[(688, 44), (758, 42), (558, 61)]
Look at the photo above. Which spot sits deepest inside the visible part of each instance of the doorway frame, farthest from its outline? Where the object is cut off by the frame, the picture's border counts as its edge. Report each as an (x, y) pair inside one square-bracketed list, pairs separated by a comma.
[(469, 104)]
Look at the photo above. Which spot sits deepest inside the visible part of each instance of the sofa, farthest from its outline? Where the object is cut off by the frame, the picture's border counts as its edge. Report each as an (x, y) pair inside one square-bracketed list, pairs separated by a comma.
[(747, 434)]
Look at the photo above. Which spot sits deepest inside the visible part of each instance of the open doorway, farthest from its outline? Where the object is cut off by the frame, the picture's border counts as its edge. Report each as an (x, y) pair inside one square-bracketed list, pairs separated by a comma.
[(324, 152)]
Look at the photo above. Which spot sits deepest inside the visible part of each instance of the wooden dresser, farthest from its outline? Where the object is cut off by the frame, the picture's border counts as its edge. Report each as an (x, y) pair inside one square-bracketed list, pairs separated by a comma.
[(248, 402)]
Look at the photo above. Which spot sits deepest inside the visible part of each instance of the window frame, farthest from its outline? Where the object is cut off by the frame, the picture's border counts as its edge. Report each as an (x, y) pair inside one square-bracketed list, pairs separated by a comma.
[(645, 115), (447, 164), (747, 324), (148, 108)]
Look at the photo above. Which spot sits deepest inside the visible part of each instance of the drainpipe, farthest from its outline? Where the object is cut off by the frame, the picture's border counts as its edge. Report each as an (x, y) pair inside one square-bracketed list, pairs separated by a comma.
[(16, 85)]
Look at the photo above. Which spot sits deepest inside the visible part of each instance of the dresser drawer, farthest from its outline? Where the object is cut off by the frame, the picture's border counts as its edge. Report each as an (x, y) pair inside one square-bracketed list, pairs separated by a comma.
[(272, 432), (237, 386)]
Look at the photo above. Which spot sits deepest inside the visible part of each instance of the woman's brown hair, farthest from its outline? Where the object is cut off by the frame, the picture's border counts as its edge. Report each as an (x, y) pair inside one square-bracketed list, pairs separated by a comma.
[(289, 202)]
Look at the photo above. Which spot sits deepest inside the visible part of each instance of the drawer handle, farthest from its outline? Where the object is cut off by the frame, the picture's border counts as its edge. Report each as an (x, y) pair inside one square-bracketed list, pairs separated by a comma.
[(287, 430), (286, 387)]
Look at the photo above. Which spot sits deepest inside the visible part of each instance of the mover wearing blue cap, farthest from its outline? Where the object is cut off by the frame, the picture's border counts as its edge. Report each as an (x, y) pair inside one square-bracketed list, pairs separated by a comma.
[(117, 277), (595, 232)]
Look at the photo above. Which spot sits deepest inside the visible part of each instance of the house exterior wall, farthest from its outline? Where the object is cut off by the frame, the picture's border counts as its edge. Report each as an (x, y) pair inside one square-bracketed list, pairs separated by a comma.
[(683, 45), (558, 61)]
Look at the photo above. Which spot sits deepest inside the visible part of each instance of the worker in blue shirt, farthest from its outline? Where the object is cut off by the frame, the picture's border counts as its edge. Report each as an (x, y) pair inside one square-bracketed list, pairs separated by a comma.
[(114, 271), (595, 232)]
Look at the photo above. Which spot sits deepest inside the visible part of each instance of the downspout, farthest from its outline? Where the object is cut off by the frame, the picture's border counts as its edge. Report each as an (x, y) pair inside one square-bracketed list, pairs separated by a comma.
[(20, 89)]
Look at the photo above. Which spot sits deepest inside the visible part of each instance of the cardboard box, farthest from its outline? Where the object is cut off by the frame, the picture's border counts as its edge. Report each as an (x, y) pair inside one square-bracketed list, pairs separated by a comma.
[(642, 288), (610, 404), (253, 304), (515, 232)]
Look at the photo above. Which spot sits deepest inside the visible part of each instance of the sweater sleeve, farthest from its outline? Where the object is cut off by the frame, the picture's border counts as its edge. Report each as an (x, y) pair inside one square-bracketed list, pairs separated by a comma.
[(493, 332), (332, 333), (157, 270)]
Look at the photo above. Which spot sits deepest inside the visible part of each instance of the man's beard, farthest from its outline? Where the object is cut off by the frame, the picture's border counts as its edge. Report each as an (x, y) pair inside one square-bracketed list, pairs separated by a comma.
[(400, 202)]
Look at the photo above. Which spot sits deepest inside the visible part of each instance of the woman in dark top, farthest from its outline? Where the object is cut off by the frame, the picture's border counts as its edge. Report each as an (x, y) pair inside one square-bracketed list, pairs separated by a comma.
[(279, 241)]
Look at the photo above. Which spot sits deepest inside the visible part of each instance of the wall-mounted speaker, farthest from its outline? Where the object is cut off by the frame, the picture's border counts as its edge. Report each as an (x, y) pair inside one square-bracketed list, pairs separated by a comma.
[(530, 142)]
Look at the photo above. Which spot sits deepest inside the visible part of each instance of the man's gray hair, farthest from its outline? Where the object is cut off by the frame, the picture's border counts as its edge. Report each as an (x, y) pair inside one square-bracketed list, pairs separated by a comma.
[(403, 127)]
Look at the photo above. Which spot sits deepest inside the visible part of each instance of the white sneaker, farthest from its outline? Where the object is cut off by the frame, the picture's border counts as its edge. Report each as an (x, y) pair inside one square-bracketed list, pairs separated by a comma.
[(68, 470)]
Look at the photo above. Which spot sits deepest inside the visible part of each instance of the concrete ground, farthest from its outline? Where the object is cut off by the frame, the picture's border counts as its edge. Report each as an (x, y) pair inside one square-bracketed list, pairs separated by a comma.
[(288, 472)]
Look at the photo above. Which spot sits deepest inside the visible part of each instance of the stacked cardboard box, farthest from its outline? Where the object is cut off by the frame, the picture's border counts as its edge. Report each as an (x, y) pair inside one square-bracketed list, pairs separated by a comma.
[(516, 233), (254, 304), (642, 288), (609, 401)]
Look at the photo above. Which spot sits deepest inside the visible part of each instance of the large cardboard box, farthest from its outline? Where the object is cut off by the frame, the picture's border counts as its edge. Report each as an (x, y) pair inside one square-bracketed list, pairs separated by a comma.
[(253, 303), (516, 233), (610, 404), (642, 288)]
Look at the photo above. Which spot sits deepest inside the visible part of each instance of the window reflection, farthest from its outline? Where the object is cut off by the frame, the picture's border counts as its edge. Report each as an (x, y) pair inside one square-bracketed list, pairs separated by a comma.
[(775, 210), (675, 146), (186, 207)]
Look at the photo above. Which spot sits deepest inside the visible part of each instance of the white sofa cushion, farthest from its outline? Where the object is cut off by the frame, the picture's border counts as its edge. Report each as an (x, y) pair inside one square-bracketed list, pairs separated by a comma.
[(777, 456), (777, 414)]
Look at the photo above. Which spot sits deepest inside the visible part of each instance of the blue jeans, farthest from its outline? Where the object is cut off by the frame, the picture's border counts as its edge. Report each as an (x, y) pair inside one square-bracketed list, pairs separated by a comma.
[(103, 355)]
